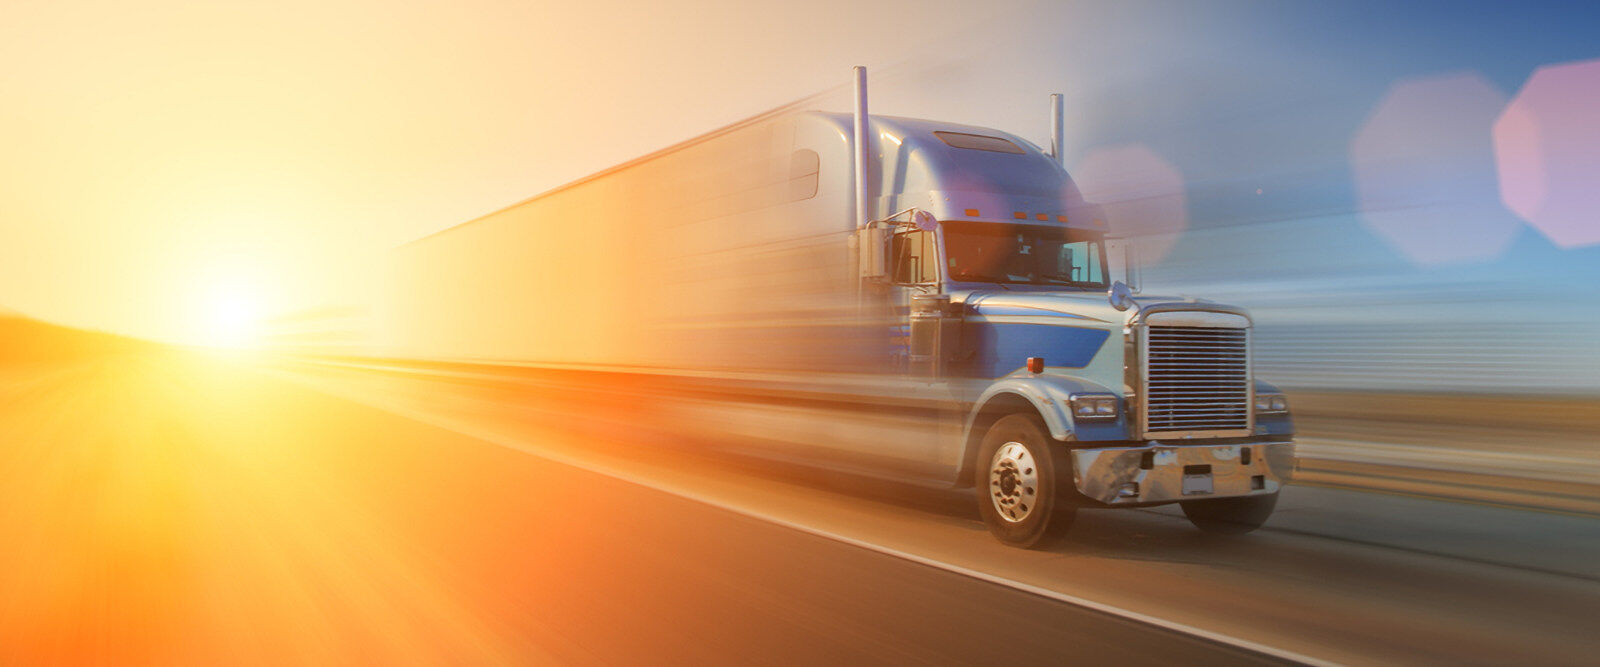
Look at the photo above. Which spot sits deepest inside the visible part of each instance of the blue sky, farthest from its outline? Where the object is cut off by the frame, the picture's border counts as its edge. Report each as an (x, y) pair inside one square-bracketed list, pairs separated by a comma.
[(1282, 119)]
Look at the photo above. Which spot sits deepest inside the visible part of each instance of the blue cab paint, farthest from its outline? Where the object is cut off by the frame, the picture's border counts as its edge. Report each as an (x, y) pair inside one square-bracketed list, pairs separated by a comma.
[(999, 348)]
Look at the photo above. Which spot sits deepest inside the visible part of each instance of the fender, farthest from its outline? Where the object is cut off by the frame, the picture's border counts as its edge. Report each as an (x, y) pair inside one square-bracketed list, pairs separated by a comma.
[(1049, 396)]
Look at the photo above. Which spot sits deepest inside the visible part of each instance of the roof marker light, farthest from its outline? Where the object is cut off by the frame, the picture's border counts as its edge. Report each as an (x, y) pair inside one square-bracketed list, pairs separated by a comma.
[(1020, 215), (1042, 217), (972, 212), (1061, 218)]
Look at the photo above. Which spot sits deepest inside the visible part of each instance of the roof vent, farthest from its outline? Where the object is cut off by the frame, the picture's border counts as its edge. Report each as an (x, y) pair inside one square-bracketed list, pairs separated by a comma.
[(979, 142)]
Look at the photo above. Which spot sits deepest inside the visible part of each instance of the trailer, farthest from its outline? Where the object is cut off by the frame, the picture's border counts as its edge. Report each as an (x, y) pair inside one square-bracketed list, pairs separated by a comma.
[(951, 275)]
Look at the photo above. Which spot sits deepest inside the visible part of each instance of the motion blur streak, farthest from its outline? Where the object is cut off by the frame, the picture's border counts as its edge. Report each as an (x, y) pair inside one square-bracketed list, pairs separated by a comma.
[(163, 506), (168, 506)]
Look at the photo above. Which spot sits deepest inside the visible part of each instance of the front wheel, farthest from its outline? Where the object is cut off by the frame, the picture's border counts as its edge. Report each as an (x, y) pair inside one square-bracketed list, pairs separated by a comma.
[(1230, 516), (1017, 477)]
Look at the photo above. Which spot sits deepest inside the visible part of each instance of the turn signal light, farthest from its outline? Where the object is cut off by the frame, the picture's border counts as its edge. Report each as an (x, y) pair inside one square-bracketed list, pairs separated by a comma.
[(1035, 364)]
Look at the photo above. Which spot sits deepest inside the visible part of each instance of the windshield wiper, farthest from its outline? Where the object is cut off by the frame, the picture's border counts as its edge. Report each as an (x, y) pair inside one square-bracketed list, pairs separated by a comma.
[(1069, 281), (980, 278)]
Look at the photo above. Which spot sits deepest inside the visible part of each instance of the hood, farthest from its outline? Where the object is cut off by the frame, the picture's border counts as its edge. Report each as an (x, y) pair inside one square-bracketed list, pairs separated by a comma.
[(1089, 308)]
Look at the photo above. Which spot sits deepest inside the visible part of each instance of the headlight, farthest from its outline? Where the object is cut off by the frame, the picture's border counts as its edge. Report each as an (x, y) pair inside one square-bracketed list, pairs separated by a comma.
[(1271, 403), (1094, 406)]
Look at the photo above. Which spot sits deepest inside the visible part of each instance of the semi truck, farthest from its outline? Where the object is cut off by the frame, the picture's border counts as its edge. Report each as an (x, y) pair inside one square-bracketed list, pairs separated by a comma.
[(950, 276)]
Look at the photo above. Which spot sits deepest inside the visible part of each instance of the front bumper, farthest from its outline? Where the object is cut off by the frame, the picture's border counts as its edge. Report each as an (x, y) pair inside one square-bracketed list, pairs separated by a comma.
[(1161, 472)]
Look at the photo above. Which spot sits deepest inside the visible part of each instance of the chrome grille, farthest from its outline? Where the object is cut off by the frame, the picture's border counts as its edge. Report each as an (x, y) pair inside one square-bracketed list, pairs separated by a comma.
[(1197, 379)]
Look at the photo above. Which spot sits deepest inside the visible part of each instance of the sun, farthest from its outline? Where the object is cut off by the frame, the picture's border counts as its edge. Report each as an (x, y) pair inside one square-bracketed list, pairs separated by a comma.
[(232, 317)]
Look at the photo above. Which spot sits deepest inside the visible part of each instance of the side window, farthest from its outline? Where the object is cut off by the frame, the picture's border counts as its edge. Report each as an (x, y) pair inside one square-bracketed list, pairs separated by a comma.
[(1080, 262), (915, 257)]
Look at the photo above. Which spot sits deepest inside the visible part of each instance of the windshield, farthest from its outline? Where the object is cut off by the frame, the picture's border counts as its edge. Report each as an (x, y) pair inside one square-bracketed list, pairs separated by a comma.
[(1033, 254)]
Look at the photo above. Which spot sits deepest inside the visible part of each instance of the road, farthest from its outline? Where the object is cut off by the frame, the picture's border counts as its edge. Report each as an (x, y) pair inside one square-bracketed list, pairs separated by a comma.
[(177, 507)]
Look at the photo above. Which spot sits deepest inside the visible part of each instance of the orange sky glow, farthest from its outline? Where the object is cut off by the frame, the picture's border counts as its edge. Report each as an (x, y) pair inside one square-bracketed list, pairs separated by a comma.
[(184, 170)]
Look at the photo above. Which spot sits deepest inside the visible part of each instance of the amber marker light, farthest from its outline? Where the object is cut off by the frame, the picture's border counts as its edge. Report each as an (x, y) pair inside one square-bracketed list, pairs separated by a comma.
[(1036, 365)]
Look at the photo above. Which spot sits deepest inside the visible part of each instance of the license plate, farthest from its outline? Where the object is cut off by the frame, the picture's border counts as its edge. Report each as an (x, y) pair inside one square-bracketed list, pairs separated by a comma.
[(1196, 484)]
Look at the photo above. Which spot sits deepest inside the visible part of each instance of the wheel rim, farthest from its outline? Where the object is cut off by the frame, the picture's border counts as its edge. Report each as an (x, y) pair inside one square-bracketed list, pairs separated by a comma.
[(1013, 482)]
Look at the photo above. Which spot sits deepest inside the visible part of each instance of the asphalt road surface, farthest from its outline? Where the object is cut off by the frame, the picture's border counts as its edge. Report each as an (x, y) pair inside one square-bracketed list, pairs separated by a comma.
[(164, 506)]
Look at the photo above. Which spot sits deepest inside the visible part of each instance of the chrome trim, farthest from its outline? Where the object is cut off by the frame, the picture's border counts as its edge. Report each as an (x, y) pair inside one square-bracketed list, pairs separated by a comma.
[(1146, 311), (1121, 296), (1132, 387), (1198, 319), (1138, 373), (1013, 482), (1117, 476)]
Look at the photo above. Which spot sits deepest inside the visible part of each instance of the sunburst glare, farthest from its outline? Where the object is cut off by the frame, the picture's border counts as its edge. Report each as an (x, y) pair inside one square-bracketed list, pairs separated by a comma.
[(231, 316)]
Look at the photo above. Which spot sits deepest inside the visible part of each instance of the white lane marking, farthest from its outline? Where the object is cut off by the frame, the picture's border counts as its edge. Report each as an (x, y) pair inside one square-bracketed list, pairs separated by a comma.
[(515, 443)]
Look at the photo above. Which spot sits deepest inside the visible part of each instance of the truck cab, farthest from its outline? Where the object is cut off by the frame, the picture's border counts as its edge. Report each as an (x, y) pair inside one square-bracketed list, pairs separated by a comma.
[(995, 278)]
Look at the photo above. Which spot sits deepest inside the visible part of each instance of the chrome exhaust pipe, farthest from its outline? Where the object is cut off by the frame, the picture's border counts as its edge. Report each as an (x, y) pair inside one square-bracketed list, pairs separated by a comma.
[(861, 144), (1057, 129)]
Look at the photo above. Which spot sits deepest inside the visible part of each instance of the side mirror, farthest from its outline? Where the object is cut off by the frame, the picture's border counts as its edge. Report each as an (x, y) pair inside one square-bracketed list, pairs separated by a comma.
[(873, 241), (1120, 295)]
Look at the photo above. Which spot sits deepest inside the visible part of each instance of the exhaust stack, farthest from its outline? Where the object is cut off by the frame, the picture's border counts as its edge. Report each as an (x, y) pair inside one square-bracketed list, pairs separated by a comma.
[(1057, 129), (861, 145)]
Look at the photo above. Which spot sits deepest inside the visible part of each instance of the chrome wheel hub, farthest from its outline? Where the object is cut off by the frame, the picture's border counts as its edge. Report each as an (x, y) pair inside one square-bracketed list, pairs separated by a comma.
[(1013, 482)]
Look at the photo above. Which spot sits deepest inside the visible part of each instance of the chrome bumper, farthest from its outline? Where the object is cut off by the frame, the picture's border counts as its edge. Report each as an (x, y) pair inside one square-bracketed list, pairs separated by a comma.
[(1157, 472)]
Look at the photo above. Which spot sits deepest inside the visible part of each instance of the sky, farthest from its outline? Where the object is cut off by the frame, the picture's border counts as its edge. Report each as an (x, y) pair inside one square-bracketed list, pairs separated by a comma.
[(176, 170), (165, 160)]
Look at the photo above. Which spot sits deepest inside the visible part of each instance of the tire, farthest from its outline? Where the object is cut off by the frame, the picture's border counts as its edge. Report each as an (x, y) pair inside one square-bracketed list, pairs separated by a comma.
[(1016, 477), (1230, 516)]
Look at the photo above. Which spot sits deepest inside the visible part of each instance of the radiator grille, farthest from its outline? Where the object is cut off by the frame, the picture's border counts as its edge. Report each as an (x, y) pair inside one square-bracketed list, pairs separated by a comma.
[(1197, 379)]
